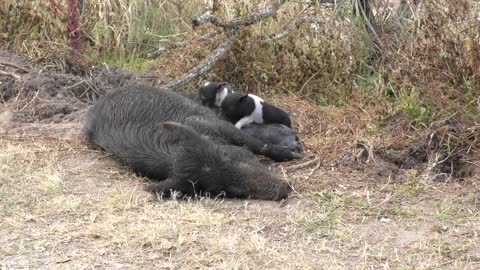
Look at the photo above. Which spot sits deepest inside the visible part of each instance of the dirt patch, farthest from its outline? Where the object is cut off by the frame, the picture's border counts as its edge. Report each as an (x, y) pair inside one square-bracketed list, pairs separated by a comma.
[(443, 151), (50, 95)]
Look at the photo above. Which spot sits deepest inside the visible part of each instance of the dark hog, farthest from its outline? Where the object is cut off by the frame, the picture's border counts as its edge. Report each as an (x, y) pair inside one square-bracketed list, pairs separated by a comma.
[(197, 154), (242, 110), (147, 106), (276, 134)]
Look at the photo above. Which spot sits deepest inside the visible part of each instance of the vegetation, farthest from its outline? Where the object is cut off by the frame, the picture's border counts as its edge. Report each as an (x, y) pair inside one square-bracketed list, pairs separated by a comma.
[(428, 64), (384, 94)]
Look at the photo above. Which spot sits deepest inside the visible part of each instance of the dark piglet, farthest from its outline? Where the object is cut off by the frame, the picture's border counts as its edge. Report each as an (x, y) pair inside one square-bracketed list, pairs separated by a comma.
[(242, 110), (277, 134)]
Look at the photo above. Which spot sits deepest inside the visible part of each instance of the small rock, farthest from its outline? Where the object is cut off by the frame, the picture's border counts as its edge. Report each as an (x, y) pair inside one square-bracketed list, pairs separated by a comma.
[(384, 220), (6, 117)]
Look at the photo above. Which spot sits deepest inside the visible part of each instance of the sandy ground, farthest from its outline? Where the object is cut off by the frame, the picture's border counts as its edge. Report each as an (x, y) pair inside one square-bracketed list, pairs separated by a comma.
[(65, 205)]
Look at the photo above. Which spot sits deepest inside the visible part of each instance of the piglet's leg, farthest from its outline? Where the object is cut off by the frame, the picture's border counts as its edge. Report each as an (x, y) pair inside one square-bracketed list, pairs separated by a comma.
[(243, 122)]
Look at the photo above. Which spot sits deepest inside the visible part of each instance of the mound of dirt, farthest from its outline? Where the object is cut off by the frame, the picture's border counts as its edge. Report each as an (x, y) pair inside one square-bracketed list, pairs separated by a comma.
[(52, 96)]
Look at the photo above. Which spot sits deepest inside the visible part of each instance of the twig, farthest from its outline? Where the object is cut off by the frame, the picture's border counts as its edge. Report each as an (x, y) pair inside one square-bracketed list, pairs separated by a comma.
[(309, 79), (293, 27), (19, 93), (205, 18), (11, 74), (257, 16), (94, 87), (210, 35), (75, 96), (314, 169), (71, 86), (28, 103), (175, 45), (169, 46), (14, 65), (388, 197), (298, 166), (370, 23), (366, 147)]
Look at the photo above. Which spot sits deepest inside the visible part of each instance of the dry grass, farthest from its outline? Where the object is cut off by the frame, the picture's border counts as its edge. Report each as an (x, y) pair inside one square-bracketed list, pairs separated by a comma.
[(65, 206)]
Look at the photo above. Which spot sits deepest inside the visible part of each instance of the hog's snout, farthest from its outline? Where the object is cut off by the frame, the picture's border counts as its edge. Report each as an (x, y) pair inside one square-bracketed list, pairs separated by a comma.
[(283, 191)]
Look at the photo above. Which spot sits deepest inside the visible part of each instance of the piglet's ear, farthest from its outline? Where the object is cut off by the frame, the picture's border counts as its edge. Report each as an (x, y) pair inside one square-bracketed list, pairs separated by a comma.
[(243, 98)]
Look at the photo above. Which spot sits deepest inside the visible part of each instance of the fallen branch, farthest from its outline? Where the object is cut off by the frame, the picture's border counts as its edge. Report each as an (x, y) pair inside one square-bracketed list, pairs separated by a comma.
[(247, 20), (203, 67), (14, 65), (224, 47)]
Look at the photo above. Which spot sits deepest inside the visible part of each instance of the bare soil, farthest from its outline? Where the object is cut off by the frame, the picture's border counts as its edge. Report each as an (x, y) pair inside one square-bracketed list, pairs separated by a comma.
[(362, 201)]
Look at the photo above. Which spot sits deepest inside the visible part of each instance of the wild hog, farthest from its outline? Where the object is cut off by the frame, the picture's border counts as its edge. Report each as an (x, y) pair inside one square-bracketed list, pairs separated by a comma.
[(167, 137)]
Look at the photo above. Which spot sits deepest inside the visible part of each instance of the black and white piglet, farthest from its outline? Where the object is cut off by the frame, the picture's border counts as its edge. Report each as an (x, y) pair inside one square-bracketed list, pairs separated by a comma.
[(242, 110), (212, 94)]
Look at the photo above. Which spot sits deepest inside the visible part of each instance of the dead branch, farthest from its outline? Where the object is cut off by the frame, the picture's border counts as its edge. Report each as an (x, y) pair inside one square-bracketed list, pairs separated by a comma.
[(247, 20), (4, 63), (207, 18), (203, 67), (224, 47)]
